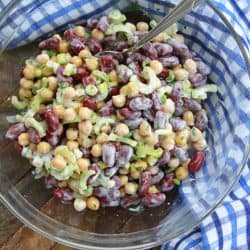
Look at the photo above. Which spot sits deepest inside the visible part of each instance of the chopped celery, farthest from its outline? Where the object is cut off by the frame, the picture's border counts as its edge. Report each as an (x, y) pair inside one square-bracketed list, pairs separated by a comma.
[(38, 73), (104, 181), (52, 65), (18, 104), (130, 142), (35, 104), (164, 90), (121, 28), (143, 150), (201, 92), (84, 178), (62, 58), (70, 69), (163, 131), (91, 90), (39, 126), (152, 160), (103, 88), (50, 53), (153, 81), (102, 121), (64, 174), (163, 99), (99, 75), (102, 165), (152, 24), (67, 154), (44, 82), (171, 77), (27, 153), (116, 17), (30, 62), (176, 181), (77, 119)]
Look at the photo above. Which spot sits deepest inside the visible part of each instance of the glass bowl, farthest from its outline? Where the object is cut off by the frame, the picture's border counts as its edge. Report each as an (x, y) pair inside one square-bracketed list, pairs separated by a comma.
[(211, 36)]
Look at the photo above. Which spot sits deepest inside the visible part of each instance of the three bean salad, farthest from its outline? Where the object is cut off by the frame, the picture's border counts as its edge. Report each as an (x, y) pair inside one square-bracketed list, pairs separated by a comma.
[(112, 129)]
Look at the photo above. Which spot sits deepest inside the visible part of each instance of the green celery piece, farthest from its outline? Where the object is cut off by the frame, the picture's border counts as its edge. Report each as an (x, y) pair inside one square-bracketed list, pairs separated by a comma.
[(171, 77), (100, 75), (91, 90), (62, 58), (143, 150), (64, 174), (67, 154), (18, 104), (201, 92), (100, 122), (70, 69), (84, 177), (116, 17), (39, 126), (35, 104), (104, 90), (130, 142), (77, 119)]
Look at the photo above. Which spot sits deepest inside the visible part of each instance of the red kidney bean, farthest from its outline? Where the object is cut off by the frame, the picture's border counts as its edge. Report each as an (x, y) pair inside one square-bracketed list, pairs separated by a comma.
[(94, 177), (129, 114), (180, 49), (110, 172), (81, 73), (177, 89), (136, 57), (94, 45), (156, 101), (169, 62), (123, 155), (180, 153), (136, 69), (164, 159), (76, 45), (150, 51), (134, 124), (197, 161), (63, 194), (109, 203), (113, 91), (50, 182), (52, 139), (120, 46), (163, 49), (100, 192), (149, 115), (191, 104), (107, 63), (128, 201), (18, 147), (163, 75), (85, 152), (177, 123), (114, 194), (89, 103), (108, 154), (88, 80), (160, 120), (103, 23), (140, 103), (51, 119), (49, 44), (167, 184), (14, 131), (61, 77), (69, 34), (123, 73), (108, 109), (157, 178), (145, 182), (117, 181), (154, 200), (203, 68), (201, 120), (179, 108), (92, 23), (34, 136), (197, 79)]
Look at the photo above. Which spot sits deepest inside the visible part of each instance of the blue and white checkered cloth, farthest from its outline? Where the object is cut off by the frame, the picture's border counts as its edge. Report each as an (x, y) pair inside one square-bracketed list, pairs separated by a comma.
[(228, 227)]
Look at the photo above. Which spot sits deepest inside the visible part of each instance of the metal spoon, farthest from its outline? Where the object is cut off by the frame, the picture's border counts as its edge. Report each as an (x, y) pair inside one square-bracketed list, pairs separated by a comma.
[(177, 13)]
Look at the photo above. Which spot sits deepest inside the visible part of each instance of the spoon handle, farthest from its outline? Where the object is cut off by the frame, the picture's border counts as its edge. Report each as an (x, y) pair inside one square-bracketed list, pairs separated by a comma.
[(178, 12)]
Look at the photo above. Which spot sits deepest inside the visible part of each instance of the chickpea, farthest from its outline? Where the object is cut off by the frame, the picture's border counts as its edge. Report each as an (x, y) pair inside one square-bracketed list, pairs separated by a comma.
[(43, 147), (152, 139), (141, 164), (59, 162), (93, 203), (124, 90), (179, 37), (23, 139), (69, 114), (75, 176), (156, 66), (96, 150), (79, 204), (106, 128), (142, 26), (87, 142), (195, 134), (69, 93), (137, 136), (153, 189), (85, 127), (123, 179), (119, 100), (188, 117), (74, 184), (181, 173), (24, 93), (132, 90), (121, 129), (181, 138), (46, 71), (63, 47), (76, 60), (100, 104), (145, 128), (131, 188), (26, 84), (80, 31), (160, 38), (42, 58), (123, 171), (153, 170), (32, 146), (174, 162), (46, 94), (113, 76), (85, 53), (91, 63), (190, 65), (201, 144), (102, 138), (52, 83), (29, 72), (83, 164), (62, 184), (84, 113), (97, 34), (59, 111), (135, 174), (72, 134), (168, 106), (72, 145), (179, 66), (131, 26), (181, 74)]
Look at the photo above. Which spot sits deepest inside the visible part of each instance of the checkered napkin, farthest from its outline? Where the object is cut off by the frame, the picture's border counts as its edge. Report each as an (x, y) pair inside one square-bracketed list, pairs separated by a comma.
[(229, 226)]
